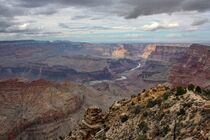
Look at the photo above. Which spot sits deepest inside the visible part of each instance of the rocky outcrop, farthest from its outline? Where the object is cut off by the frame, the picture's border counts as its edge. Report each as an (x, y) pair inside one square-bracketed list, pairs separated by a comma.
[(163, 53), (91, 126), (158, 113), (193, 68)]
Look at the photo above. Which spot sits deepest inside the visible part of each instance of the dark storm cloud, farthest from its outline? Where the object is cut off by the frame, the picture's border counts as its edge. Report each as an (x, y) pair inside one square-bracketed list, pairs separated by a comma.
[(199, 22), (150, 7), (9, 11), (41, 3), (126, 8)]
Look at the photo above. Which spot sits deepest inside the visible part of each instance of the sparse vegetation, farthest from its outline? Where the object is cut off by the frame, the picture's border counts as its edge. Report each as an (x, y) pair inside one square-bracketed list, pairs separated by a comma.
[(191, 87), (142, 137), (206, 93), (198, 89), (180, 91), (181, 112), (61, 138), (135, 109), (143, 127), (166, 95), (152, 103), (145, 114), (164, 131), (124, 118)]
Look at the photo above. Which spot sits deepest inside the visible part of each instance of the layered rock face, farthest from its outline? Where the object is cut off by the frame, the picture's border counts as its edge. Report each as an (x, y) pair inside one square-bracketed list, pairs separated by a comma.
[(193, 68), (158, 113), (120, 52), (53, 73), (163, 53), (38, 110)]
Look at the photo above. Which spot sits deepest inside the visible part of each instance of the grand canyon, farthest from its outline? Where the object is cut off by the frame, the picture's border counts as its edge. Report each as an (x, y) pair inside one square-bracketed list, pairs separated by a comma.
[(104, 70), (45, 97)]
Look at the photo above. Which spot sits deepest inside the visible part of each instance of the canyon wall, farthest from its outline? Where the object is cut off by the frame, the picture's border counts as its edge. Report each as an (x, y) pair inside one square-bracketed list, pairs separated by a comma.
[(193, 68), (40, 109), (163, 53)]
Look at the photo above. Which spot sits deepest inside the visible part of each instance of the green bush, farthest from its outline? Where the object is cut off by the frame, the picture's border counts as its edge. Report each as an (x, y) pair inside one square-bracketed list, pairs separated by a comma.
[(191, 87), (143, 127), (152, 103), (165, 131), (166, 95), (206, 93), (198, 89), (61, 138), (180, 91), (136, 109), (145, 114), (123, 118), (142, 137), (181, 112)]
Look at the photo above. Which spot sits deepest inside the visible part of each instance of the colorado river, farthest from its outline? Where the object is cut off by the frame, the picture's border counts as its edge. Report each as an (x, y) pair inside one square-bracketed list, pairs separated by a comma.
[(122, 77), (139, 65)]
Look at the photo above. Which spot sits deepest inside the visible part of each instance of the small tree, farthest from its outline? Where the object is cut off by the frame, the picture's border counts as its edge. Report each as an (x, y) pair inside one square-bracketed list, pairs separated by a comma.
[(123, 118), (181, 112), (198, 89), (180, 91), (191, 87), (143, 127)]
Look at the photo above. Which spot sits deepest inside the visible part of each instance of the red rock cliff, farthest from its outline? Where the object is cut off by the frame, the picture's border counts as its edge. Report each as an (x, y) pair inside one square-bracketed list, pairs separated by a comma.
[(36, 110), (193, 68), (163, 53)]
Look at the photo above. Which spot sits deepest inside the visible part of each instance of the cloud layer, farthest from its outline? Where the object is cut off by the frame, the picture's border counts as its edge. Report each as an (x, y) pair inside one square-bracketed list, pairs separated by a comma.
[(77, 17)]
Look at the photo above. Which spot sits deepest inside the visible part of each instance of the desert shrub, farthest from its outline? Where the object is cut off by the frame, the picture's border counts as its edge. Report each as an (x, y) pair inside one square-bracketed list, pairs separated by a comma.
[(181, 112), (164, 131), (198, 89), (135, 109), (61, 138), (123, 118), (180, 91), (191, 87), (206, 93), (143, 127), (166, 105), (166, 95), (145, 114), (152, 103), (142, 137), (133, 96)]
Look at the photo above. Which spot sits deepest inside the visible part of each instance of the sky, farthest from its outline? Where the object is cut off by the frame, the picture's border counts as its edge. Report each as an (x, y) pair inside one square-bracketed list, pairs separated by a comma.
[(176, 21)]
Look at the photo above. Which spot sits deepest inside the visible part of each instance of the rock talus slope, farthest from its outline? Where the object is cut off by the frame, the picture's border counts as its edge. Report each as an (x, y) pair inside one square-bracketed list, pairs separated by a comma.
[(156, 114)]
